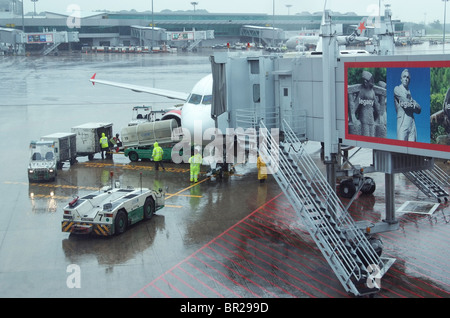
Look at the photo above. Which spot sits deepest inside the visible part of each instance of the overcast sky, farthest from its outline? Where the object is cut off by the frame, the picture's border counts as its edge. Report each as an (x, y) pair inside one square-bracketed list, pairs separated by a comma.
[(406, 10)]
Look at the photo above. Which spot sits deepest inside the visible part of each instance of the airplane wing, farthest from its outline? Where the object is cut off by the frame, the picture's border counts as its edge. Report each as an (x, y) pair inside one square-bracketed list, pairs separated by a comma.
[(142, 89)]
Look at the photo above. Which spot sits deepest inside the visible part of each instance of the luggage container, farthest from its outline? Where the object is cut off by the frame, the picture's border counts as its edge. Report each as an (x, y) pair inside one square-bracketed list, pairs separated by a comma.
[(65, 147), (88, 136)]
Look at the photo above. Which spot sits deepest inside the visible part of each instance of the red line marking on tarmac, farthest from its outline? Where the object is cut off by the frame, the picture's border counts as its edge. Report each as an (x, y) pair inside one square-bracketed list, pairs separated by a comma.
[(328, 278), (289, 266), (193, 256), (256, 265), (400, 241), (186, 284), (274, 221), (213, 279), (235, 272), (201, 282), (246, 269)]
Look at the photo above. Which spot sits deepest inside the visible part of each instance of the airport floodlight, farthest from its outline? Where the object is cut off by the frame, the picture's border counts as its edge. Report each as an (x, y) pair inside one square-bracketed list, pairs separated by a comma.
[(289, 6), (194, 4), (34, 2)]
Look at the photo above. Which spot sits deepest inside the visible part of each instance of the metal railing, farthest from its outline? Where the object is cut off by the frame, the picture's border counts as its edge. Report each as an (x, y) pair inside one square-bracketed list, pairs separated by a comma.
[(345, 247)]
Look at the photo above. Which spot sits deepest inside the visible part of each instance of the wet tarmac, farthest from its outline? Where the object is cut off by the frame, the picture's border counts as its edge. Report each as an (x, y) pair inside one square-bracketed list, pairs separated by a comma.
[(231, 237)]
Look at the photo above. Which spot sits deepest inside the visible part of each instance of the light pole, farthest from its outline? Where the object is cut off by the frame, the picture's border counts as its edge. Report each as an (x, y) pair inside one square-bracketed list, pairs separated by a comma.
[(153, 27), (194, 4), (34, 1), (273, 23), (23, 19), (289, 6), (445, 16)]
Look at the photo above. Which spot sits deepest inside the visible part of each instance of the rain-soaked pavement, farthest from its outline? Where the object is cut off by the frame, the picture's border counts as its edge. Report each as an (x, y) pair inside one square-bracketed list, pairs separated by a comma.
[(231, 237)]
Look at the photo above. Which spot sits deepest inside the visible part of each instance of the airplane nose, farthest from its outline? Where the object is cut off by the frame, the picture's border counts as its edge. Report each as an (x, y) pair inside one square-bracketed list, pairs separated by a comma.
[(196, 119)]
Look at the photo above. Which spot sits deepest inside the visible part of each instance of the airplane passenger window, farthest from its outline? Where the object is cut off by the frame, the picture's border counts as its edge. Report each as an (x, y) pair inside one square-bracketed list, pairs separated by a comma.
[(207, 100), (195, 99)]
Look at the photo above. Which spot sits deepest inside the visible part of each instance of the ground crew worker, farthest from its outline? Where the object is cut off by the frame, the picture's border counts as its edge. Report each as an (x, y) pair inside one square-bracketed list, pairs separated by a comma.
[(157, 156), (116, 142), (262, 169), (104, 145), (195, 161)]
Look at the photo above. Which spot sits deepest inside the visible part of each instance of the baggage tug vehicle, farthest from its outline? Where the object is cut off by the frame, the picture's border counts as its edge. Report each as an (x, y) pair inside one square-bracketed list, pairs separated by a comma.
[(111, 210)]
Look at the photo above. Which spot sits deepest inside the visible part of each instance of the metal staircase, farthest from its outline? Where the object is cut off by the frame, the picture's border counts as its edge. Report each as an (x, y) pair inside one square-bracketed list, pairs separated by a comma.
[(50, 48), (347, 250), (194, 44), (430, 182)]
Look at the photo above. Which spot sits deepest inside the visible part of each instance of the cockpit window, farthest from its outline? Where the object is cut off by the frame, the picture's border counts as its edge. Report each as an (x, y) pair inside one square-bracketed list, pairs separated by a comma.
[(195, 99), (207, 100)]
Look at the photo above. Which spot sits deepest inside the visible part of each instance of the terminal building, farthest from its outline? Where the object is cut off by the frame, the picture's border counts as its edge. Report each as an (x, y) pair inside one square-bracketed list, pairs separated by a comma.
[(177, 29)]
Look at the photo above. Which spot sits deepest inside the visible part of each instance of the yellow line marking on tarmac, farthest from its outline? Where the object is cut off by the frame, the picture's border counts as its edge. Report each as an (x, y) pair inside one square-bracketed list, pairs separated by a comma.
[(125, 166), (187, 188), (130, 167), (186, 195), (48, 185)]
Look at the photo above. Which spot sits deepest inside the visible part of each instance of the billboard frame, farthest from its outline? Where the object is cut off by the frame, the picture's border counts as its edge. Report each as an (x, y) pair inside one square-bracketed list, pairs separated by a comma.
[(388, 142)]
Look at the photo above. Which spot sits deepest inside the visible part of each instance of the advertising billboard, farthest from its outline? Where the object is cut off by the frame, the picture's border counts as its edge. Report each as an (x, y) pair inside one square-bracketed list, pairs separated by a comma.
[(405, 104), (182, 36), (40, 38)]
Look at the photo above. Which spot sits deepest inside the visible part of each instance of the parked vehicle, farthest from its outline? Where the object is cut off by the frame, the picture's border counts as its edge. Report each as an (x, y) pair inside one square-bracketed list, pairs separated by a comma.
[(42, 164), (111, 211)]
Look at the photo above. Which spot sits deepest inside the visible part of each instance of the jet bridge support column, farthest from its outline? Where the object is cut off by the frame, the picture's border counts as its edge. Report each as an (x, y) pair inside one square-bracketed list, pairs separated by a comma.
[(389, 179), (329, 98)]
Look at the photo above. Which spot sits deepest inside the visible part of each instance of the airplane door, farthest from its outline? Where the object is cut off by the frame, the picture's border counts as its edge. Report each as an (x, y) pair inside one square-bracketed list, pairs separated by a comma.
[(286, 112)]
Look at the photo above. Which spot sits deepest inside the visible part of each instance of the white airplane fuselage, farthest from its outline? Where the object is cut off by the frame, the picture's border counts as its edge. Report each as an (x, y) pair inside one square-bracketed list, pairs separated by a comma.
[(196, 111), (195, 115)]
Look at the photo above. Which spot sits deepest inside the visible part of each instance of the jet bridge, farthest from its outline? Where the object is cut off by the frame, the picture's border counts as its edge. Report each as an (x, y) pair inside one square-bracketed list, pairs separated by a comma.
[(51, 39), (340, 100), (190, 39), (268, 35), (9, 43)]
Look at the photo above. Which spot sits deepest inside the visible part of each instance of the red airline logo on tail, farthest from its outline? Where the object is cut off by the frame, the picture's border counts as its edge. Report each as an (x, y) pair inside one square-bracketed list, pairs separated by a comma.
[(93, 78)]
